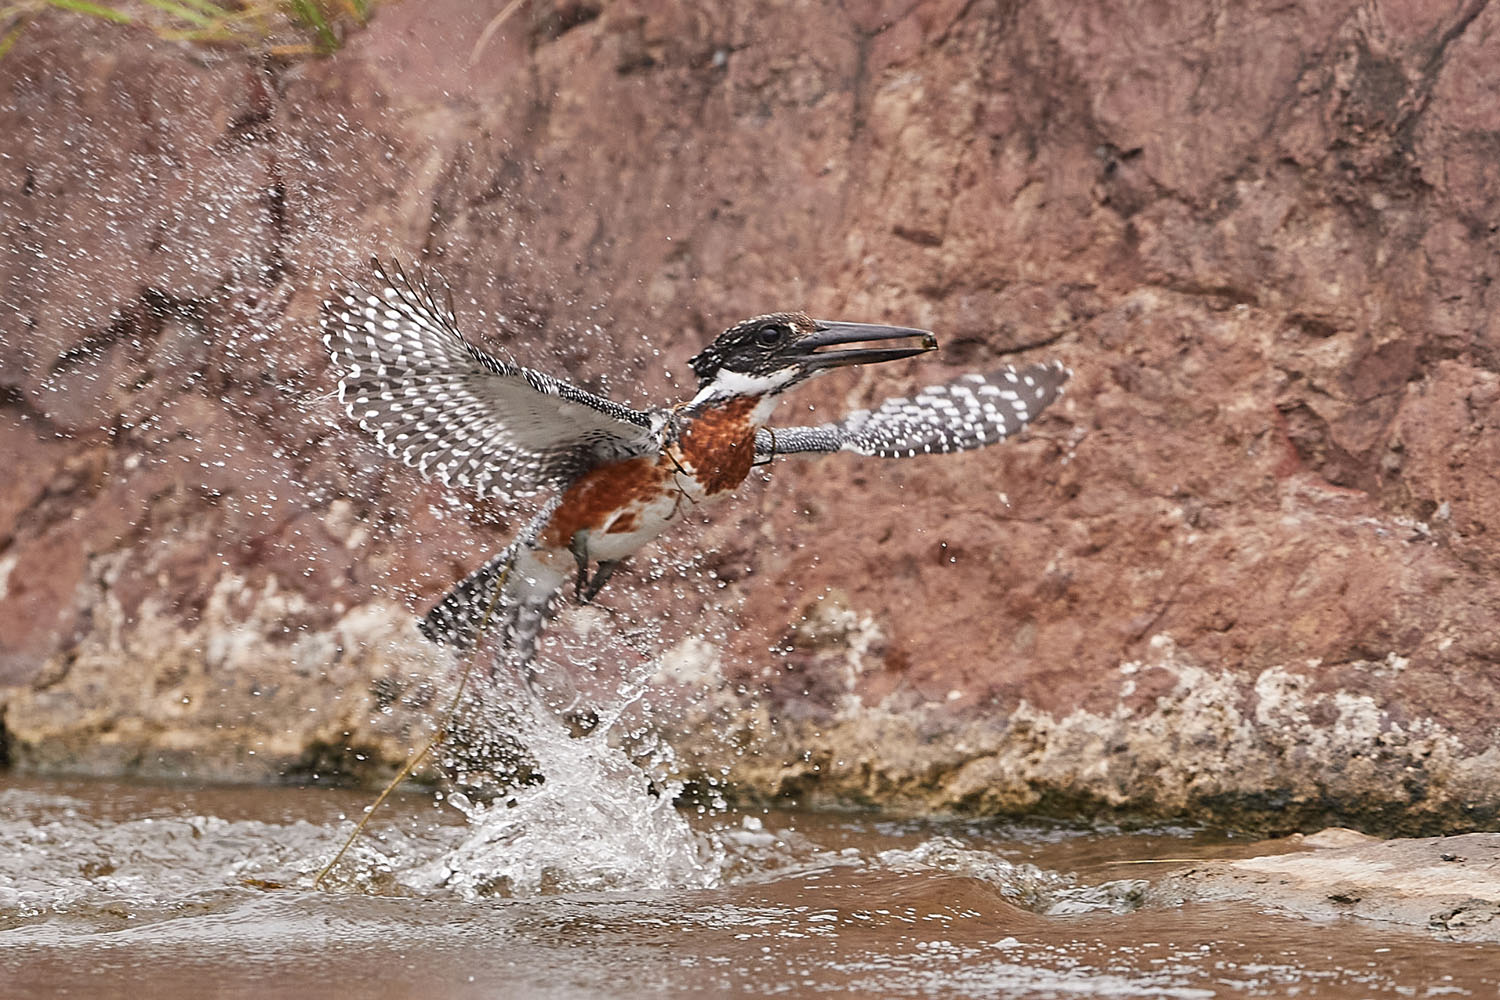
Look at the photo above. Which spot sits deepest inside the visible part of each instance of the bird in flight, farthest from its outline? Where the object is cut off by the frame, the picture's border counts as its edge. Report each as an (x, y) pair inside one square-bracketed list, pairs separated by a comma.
[(616, 477)]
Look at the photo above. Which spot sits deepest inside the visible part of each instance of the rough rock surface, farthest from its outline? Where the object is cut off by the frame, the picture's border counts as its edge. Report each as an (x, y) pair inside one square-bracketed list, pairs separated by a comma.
[(1246, 572), (1448, 885)]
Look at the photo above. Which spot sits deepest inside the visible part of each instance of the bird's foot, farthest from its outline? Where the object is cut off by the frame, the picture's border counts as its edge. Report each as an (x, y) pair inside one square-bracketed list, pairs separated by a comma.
[(601, 577)]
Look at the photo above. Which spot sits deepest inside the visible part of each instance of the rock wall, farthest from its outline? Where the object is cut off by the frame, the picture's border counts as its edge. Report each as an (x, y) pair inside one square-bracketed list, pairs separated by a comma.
[(1244, 573)]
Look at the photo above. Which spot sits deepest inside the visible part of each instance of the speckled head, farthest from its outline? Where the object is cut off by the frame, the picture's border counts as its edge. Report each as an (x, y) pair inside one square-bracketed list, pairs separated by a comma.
[(777, 350)]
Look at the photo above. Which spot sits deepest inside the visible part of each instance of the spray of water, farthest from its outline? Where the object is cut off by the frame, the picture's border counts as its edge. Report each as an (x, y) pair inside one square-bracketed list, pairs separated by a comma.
[(553, 809)]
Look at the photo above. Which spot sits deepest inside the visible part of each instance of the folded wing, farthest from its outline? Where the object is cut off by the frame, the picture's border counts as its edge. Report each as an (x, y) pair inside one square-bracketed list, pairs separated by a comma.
[(455, 412), (970, 412)]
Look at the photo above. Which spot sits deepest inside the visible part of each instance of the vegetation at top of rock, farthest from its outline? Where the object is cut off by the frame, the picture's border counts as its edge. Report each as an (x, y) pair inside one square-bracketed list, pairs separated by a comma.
[(288, 29)]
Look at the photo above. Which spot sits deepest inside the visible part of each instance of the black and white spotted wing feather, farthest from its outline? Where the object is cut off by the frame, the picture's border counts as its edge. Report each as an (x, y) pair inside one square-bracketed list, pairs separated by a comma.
[(457, 413), (970, 412)]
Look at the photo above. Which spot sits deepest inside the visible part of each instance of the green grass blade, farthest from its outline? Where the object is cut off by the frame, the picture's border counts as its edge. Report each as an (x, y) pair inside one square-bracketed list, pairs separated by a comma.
[(208, 8), (183, 12), (12, 35), (308, 11), (93, 10)]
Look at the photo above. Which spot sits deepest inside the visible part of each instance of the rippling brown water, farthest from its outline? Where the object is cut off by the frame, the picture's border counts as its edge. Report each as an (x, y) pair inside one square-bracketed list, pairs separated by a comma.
[(110, 890)]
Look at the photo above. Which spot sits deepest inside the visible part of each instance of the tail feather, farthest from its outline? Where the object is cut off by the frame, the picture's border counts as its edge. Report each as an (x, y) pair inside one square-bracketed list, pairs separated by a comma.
[(471, 607), (493, 599)]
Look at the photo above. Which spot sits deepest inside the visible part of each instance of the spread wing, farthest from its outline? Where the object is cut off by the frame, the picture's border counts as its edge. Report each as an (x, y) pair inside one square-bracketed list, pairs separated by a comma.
[(970, 412), (453, 411)]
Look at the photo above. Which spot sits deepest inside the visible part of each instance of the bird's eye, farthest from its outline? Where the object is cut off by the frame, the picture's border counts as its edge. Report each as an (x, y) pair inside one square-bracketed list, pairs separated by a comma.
[(770, 335)]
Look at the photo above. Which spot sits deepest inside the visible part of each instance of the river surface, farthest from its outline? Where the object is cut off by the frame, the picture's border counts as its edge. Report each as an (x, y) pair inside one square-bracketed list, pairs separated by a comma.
[(157, 892)]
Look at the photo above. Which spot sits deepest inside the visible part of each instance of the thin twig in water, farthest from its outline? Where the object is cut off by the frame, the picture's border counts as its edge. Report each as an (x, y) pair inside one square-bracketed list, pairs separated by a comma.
[(437, 737), (492, 27)]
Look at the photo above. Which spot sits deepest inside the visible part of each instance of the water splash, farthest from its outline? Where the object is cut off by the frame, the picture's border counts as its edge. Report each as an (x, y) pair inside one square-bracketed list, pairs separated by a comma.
[(598, 811)]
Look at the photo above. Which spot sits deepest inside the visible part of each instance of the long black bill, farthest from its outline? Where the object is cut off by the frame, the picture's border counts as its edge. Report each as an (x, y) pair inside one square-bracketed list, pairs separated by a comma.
[(838, 334)]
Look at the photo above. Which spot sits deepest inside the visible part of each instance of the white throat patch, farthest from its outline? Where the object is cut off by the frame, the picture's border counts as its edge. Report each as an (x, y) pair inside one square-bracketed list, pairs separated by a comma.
[(726, 383)]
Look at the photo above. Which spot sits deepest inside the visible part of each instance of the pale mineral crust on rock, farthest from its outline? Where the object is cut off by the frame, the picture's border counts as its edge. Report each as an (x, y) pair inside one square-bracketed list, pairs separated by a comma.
[(1245, 572)]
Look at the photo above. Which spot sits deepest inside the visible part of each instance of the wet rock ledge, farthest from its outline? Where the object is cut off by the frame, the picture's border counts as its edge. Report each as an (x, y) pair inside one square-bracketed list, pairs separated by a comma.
[(1246, 573), (1449, 886)]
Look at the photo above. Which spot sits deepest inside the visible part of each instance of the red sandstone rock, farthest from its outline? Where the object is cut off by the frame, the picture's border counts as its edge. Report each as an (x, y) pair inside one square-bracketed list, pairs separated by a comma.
[(1245, 571)]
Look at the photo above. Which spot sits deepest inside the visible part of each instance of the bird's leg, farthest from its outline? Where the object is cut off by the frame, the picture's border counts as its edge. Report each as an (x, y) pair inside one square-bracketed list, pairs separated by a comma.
[(601, 577), (583, 588), (580, 550)]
